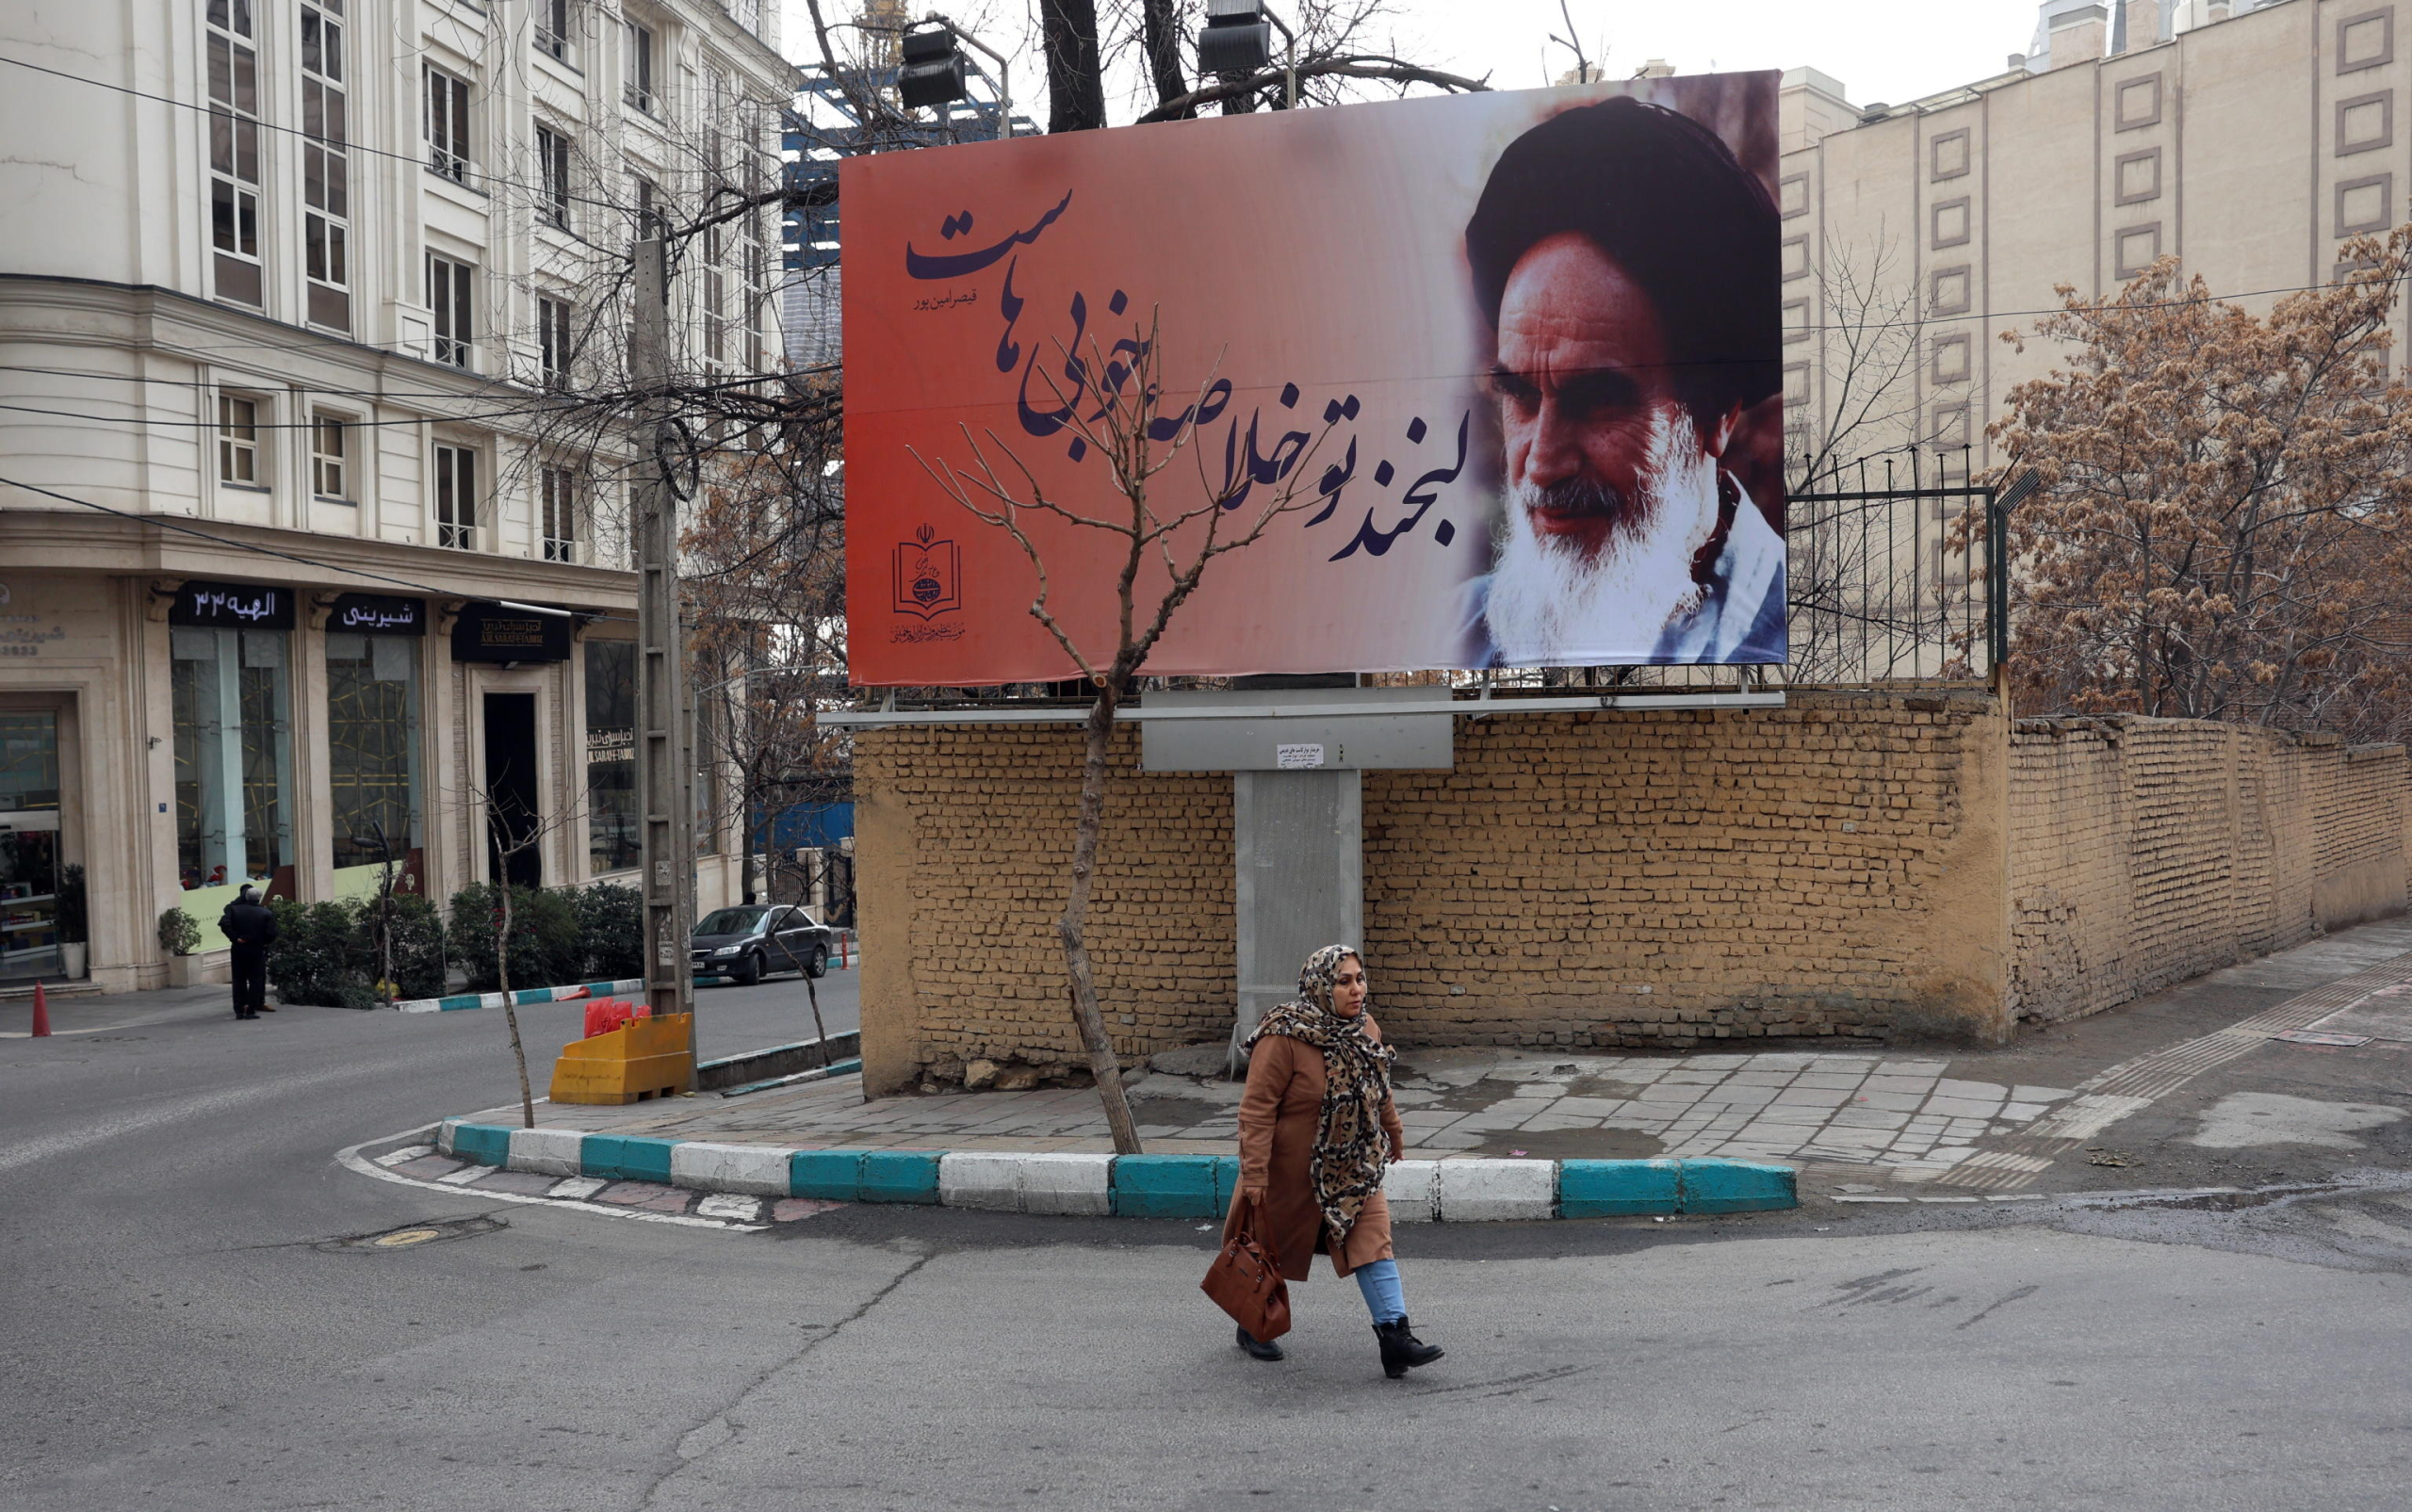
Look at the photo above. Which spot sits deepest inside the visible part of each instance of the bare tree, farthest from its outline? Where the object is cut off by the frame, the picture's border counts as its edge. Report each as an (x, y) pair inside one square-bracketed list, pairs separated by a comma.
[(1166, 537), (514, 830)]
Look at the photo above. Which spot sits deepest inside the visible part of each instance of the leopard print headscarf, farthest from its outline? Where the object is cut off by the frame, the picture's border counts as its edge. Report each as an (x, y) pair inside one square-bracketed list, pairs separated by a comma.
[(1350, 1148)]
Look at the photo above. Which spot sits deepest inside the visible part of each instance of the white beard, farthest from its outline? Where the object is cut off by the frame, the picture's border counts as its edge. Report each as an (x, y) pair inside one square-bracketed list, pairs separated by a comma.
[(1547, 605)]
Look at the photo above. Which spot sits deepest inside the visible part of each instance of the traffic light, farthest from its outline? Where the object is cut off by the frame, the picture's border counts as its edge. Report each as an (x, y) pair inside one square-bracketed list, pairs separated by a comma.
[(935, 72), (1237, 40)]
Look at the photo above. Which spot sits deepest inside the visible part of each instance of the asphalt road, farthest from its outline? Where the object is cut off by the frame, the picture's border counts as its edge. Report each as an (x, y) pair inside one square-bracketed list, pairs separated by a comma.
[(184, 1327)]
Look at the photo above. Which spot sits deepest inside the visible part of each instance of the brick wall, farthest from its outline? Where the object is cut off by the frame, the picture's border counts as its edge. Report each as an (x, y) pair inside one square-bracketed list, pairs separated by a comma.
[(2144, 851), (1835, 868)]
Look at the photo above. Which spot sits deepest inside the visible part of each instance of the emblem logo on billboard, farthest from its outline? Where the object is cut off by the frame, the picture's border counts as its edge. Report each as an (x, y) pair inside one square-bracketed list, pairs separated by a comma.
[(929, 575)]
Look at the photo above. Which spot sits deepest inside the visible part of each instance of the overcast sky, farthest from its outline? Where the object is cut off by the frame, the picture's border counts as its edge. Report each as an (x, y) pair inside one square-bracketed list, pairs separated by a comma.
[(1888, 50)]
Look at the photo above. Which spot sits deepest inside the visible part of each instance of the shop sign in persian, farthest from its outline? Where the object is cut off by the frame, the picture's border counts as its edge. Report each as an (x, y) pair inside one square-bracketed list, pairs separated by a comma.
[(1510, 361), (232, 606), (378, 615)]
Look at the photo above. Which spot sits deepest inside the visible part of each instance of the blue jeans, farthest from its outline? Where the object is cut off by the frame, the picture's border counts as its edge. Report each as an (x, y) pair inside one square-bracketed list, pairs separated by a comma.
[(1384, 1298)]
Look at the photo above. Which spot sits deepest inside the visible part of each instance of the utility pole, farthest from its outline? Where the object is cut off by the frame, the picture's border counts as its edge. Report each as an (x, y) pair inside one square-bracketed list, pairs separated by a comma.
[(665, 743)]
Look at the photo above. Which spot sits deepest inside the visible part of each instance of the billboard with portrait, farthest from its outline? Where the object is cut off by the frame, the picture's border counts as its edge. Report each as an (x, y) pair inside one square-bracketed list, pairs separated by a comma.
[(1513, 359)]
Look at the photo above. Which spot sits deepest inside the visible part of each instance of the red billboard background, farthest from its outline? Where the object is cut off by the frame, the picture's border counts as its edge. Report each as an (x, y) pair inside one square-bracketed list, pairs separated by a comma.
[(1307, 278)]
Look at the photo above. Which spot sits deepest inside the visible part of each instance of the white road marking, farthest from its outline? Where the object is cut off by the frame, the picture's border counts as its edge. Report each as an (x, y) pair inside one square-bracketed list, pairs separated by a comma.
[(405, 1155), (351, 1160), (464, 1175), (577, 1186), (723, 1205)]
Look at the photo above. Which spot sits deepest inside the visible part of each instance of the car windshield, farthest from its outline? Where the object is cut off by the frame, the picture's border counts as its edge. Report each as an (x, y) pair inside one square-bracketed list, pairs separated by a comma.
[(731, 922)]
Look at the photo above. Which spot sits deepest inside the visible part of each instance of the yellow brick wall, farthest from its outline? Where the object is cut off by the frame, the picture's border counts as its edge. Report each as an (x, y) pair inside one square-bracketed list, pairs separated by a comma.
[(1835, 868), (2144, 851)]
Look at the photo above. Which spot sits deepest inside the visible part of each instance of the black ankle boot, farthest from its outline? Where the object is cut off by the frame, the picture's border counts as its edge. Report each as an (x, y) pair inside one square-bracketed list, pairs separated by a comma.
[(1401, 1350), (1267, 1349)]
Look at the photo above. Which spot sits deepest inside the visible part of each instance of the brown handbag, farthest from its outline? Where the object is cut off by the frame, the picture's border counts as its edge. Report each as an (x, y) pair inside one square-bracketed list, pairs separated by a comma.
[(1244, 1282)]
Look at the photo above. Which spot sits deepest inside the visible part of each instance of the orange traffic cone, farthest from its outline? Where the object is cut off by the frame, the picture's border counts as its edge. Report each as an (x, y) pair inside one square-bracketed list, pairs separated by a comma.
[(42, 1013)]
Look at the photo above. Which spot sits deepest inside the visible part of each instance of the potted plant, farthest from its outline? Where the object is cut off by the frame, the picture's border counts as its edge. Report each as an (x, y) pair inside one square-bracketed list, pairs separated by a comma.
[(72, 920), (180, 936)]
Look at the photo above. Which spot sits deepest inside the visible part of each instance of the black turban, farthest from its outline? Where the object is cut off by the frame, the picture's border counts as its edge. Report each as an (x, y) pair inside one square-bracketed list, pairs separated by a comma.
[(1663, 196)]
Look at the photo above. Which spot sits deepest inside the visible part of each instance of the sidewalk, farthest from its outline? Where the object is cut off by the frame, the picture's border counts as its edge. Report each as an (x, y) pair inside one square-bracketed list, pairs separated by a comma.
[(1855, 1121)]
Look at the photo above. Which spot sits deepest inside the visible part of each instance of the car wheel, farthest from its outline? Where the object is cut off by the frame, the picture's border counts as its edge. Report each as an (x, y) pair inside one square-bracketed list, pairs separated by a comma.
[(817, 963), (747, 971)]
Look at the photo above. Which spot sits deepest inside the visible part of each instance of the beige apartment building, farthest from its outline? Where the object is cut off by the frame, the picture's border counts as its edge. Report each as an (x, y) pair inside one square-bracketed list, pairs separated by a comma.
[(2247, 142), (293, 572)]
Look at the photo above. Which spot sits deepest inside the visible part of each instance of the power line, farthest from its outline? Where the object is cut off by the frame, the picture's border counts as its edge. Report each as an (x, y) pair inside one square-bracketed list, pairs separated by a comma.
[(257, 550), (321, 140)]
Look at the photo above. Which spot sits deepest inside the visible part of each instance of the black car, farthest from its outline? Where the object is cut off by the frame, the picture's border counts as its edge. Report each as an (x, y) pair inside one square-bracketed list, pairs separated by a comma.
[(746, 944)]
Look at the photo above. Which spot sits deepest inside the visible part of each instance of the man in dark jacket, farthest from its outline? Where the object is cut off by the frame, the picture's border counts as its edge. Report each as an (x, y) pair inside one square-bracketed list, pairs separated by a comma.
[(251, 929)]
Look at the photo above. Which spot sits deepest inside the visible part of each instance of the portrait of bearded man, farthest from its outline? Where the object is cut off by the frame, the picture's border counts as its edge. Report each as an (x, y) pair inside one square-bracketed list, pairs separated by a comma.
[(1626, 266)]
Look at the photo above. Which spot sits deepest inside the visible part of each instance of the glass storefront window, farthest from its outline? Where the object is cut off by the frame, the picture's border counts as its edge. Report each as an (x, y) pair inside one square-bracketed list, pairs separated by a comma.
[(232, 692), (372, 747), (29, 843), (612, 834)]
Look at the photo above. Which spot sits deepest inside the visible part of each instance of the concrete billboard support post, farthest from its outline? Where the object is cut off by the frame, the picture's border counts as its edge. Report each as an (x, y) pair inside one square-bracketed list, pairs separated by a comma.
[(666, 734)]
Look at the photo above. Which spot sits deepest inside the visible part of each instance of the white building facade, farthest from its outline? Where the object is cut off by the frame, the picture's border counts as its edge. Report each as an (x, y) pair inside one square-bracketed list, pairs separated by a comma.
[(301, 302)]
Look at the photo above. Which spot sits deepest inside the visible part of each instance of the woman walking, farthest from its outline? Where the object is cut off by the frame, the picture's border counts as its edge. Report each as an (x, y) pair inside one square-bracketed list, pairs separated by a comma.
[(1316, 1128)]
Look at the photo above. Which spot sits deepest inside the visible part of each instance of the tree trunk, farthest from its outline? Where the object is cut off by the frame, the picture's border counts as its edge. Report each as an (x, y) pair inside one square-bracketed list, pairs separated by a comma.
[(1103, 1066), (1160, 35), (1075, 74), (510, 1014)]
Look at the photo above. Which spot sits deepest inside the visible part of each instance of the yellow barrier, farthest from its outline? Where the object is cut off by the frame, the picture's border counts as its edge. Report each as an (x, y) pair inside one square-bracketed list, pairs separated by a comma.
[(643, 1058)]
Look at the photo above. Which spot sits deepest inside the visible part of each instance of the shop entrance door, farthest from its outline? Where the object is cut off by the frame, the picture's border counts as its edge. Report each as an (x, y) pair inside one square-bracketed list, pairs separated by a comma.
[(28, 844), (511, 816)]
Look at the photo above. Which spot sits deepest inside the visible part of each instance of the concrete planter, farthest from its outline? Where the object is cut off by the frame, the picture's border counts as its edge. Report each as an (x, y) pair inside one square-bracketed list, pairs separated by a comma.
[(187, 970), (74, 956)]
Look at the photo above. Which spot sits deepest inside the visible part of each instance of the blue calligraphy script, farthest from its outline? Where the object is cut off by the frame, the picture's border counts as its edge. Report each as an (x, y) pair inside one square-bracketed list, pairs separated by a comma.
[(1247, 462)]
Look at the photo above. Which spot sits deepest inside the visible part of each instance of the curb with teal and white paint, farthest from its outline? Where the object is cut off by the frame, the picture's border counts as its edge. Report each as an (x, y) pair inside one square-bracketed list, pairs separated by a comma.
[(518, 1000), (1123, 1186)]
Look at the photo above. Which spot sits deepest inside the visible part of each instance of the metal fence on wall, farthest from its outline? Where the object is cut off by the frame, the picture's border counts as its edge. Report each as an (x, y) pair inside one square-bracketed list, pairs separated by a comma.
[(1898, 572)]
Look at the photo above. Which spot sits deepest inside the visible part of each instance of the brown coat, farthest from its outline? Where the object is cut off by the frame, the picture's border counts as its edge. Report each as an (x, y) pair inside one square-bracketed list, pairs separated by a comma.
[(1279, 1117)]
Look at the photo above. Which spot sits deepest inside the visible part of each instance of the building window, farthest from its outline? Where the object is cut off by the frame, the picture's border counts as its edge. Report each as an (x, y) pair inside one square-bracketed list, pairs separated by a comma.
[(1947, 157), (239, 441), (232, 701), (716, 298), (1947, 291), (327, 457), (558, 490), (636, 86), (757, 294), (456, 497), (326, 166), (447, 124), (552, 167), (448, 297), (372, 748), (2137, 247), (612, 839), (2366, 40), (1950, 227), (1950, 359), (2365, 204), (234, 69), (2137, 104), (552, 30), (1795, 257), (1792, 195), (1796, 321), (649, 221), (552, 341), (2365, 122), (2137, 176)]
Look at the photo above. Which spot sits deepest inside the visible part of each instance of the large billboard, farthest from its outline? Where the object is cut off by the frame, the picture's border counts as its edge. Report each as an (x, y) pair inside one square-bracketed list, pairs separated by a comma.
[(1512, 360)]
